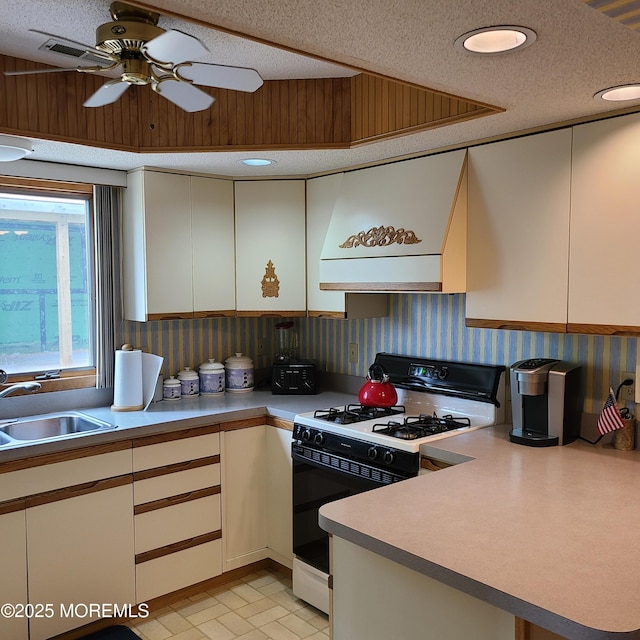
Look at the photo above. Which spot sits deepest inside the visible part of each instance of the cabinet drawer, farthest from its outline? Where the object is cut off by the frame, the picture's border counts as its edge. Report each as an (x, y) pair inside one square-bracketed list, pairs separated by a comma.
[(178, 570), (174, 451), (171, 524), (177, 483), (48, 477)]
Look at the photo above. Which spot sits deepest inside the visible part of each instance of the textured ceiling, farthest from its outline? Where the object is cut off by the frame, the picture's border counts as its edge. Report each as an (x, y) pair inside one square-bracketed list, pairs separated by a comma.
[(578, 51)]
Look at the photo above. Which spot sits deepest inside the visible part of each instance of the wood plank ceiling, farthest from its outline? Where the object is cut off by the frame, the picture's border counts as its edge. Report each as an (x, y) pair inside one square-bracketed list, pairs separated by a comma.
[(334, 113)]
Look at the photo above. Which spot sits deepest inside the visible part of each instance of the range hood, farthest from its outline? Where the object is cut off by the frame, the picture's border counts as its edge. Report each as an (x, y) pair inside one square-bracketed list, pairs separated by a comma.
[(399, 227)]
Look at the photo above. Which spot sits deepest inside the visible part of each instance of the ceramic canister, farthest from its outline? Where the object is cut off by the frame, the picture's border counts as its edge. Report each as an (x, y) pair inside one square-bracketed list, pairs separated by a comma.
[(171, 389), (239, 373), (189, 382), (212, 379)]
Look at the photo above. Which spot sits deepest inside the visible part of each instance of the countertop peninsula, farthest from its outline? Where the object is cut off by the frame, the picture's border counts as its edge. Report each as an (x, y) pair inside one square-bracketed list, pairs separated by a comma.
[(547, 534)]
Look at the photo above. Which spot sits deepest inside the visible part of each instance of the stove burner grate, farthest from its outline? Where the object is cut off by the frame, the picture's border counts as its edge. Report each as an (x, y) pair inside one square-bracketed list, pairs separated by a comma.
[(353, 413), (414, 427)]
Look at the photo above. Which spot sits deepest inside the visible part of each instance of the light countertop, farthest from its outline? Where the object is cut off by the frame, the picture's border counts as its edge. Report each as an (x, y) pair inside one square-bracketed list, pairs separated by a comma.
[(181, 414), (548, 534)]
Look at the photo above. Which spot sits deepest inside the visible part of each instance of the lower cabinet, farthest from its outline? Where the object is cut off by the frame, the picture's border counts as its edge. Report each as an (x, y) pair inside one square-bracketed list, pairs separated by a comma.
[(13, 563), (361, 606), (244, 491), (177, 512), (70, 544), (256, 490), (80, 552)]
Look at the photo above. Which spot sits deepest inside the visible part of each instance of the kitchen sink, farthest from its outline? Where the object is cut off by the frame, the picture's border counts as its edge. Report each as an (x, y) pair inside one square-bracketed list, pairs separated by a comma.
[(51, 426)]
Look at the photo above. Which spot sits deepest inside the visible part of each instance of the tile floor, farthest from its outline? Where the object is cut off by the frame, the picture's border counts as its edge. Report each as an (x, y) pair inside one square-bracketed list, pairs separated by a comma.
[(257, 607)]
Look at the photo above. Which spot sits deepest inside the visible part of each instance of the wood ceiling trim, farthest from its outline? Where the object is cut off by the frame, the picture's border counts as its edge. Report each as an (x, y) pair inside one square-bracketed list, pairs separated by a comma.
[(627, 12), (329, 113)]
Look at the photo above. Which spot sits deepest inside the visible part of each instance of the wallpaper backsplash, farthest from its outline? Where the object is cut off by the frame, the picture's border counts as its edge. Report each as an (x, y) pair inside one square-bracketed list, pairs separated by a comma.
[(429, 325)]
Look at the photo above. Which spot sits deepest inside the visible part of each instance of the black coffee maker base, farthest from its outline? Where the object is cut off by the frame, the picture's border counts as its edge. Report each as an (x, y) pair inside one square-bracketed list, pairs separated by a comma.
[(532, 439)]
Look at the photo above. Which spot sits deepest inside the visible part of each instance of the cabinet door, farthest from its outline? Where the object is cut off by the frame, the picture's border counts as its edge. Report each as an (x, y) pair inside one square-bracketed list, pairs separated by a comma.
[(321, 198), (80, 552), (279, 495), (13, 569), (244, 496), (157, 246), (212, 239), (604, 268), (270, 247), (518, 232)]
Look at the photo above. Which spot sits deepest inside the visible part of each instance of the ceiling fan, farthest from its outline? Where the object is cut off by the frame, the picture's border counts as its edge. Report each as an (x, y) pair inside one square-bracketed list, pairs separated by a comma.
[(148, 54)]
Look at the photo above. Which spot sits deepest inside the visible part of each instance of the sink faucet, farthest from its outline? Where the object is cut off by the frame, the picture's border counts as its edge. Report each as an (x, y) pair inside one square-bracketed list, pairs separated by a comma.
[(24, 386)]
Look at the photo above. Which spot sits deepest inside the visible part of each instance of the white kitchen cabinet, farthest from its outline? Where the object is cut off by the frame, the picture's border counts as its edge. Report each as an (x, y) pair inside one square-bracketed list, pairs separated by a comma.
[(177, 510), (270, 247), (322, 193), (72, 542), (244, 496), (13, 568), (518, 229), (177, 246), (366, 587), (279, 494), (603, 266), (80, 551)]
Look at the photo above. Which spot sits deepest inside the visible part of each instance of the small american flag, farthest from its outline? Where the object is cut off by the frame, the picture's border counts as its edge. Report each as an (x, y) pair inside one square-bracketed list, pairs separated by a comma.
[(610, 418)]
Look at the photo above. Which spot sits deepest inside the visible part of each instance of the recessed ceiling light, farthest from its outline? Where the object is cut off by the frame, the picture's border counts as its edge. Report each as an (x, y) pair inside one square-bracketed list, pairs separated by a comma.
[(14, 148), (623, 92), (498, 39), (257, 162)]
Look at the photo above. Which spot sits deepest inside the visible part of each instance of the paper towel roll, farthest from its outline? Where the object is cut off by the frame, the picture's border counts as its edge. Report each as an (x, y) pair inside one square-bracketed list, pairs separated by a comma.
[(127, 387)]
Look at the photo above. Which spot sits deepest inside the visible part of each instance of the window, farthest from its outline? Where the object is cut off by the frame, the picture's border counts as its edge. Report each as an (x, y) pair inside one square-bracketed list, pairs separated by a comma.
[(47, 312)]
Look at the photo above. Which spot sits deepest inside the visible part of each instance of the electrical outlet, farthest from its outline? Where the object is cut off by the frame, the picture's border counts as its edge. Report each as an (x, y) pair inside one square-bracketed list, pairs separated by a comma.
[(353, 352), (628, 393), (261, 346)]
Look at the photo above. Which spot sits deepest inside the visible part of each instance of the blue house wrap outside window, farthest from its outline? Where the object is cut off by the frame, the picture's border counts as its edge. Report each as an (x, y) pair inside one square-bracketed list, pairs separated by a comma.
[(46, 283)]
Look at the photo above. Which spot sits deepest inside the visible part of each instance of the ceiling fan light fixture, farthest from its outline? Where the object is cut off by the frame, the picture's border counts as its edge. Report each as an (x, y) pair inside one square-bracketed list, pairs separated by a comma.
[(14, 148), (257, 162), (619, 93), (496, 39)]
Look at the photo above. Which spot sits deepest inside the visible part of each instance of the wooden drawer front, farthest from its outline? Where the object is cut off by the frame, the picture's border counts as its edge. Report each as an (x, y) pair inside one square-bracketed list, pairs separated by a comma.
[(178, 570), (173, 451), (173, 484), (25, 482), (162, 527)]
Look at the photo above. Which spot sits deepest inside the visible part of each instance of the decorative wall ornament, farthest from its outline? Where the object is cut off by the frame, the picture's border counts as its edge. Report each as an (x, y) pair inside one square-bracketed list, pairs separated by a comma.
[(270, 282), (380, 237)]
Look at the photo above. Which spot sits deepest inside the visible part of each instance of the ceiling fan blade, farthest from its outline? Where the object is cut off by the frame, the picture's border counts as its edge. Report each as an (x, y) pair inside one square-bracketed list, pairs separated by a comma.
[(174, 47), (221, 76), (184, 95), (36, 71), (107, 93), (89, 48)]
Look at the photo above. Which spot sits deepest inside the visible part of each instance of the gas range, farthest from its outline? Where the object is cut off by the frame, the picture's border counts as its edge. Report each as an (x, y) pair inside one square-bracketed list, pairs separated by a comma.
[(436, 399)]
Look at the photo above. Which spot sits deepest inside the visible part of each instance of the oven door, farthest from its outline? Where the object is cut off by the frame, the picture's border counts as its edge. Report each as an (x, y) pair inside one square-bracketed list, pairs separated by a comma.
[(318, 478)]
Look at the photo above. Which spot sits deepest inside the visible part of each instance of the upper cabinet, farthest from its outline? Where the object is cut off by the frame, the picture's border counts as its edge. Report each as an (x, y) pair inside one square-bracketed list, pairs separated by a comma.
[(518, 226), (270, 248), (603, 270), (399, 227), (321, 198), (177, 246)]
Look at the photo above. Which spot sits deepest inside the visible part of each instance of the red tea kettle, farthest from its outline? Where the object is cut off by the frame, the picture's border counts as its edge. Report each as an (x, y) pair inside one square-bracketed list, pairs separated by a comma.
[(377, 391)]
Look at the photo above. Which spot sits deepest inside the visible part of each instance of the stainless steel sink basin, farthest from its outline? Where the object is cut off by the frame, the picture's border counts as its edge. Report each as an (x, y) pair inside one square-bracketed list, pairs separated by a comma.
[(58, 425)]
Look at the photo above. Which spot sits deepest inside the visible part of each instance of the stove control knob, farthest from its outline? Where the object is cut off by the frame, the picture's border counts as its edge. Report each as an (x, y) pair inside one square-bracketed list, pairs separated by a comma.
[(318, 438), (388, 458), (306, 435), (372, 453)]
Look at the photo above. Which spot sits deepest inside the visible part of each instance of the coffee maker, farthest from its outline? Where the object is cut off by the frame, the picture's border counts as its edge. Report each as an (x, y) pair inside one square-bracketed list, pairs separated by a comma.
[(546, 402)]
